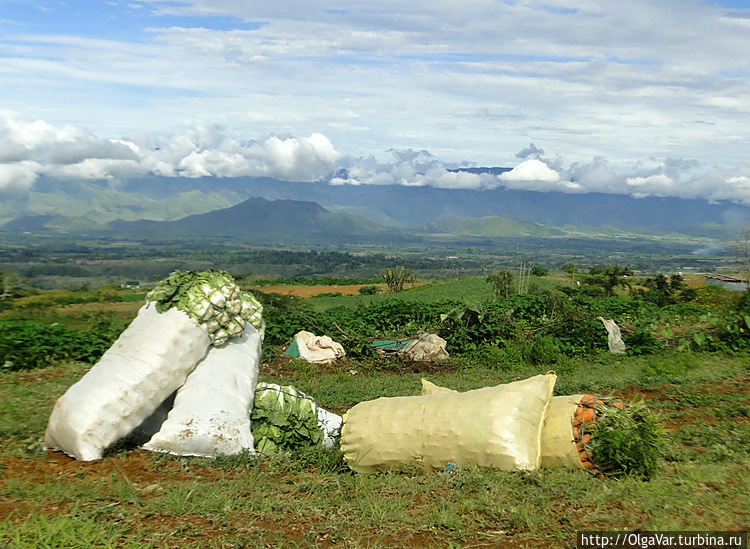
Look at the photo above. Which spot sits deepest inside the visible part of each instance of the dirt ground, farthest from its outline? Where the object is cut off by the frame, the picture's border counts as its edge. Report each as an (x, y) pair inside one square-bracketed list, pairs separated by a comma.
[(128, 309), (309, 291)]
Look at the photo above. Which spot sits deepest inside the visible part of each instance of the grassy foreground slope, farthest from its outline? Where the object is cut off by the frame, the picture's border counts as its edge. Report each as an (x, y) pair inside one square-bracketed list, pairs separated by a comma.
[(133, 498)]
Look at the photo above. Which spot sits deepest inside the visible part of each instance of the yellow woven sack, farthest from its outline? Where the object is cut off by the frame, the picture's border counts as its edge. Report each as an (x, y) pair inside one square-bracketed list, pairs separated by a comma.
[(558, 447), (429, 388), (498, 427)]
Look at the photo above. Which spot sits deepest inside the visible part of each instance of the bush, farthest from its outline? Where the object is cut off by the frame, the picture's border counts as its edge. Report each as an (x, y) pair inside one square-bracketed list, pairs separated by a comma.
[(542, 350), (396, 277), (733, 328), (108, 295), (26, 345), (369, 290), (642, 342)]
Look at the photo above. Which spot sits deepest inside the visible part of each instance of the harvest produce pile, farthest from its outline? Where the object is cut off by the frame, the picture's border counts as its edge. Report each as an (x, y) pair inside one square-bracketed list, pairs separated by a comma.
[(517, 425), (589, 410), (283, 418), (212, 300), (186, 315), (184, 373), (625, 438)]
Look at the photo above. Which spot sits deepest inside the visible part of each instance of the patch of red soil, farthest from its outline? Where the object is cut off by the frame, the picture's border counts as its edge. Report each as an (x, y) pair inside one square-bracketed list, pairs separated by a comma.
[(310, 291), (137, 467), (40, 375), (687, 414)]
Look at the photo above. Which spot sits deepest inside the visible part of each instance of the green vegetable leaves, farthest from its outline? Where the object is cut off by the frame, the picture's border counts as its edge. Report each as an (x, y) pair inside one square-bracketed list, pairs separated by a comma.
[(212, 299), (627, 441), (283, 419)]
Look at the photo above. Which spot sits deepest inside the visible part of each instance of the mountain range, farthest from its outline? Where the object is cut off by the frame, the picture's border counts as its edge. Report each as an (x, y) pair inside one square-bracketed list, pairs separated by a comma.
[(173, 207)]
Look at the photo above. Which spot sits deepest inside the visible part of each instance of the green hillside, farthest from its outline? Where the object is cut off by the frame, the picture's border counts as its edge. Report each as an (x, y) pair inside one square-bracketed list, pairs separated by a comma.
[(490, 226)]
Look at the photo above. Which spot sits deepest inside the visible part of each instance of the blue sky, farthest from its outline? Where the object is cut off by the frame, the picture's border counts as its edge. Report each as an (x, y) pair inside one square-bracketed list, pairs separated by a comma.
[(639, 97)]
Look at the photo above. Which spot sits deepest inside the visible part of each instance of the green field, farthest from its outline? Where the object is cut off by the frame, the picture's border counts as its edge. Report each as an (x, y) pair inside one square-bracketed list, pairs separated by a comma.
[(687, 361)]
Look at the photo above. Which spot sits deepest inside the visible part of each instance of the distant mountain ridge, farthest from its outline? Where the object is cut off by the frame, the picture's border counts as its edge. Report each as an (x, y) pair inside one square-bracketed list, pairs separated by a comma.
[(251, 218), (71, 206)]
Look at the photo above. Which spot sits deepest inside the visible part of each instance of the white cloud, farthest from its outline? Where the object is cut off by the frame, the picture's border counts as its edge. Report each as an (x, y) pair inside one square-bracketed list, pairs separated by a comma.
[(31, 149), (442, 178), (70, 152), (596, 176), (654, 183), (18, 176), (293, 158), (531, 170), (302, 159), (95, 169)]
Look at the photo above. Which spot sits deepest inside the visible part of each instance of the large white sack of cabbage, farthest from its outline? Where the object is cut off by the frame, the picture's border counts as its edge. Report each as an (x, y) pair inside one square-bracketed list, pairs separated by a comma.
[(211, 412), (149, 361), (186, 313), (496, 427)]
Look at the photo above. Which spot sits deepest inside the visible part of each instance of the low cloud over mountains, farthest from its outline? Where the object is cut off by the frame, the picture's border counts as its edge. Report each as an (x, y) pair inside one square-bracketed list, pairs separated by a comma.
[(30, 149)]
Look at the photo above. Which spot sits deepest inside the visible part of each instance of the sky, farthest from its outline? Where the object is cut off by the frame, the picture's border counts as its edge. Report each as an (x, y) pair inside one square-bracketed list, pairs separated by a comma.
[(644, 97)]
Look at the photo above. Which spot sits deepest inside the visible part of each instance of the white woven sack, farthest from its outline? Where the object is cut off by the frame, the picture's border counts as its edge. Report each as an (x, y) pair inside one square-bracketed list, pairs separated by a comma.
[(147, 363), (497, 427), (330, 424), (211, 413)]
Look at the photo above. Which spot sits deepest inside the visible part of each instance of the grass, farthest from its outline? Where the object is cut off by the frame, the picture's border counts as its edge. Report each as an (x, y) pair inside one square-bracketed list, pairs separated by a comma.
[(468, 289), (310, 499), (342, 389)]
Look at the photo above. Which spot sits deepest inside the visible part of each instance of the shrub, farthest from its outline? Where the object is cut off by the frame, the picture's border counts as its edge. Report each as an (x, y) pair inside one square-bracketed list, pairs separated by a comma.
[(501, 283), (396, 277), (542, 350), (642, 342), (369, 290), (26, 345)]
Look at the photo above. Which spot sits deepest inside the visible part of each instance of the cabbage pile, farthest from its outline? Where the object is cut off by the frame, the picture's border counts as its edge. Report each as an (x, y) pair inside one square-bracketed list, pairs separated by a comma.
[(212, 299), (282, 419)]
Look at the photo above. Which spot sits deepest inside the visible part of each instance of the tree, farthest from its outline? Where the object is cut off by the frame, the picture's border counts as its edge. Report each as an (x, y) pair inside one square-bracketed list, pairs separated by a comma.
[(665, 291), (609, 277), (501, 282), (660, 291), (538, 270), (570, 268), (396, 277)]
